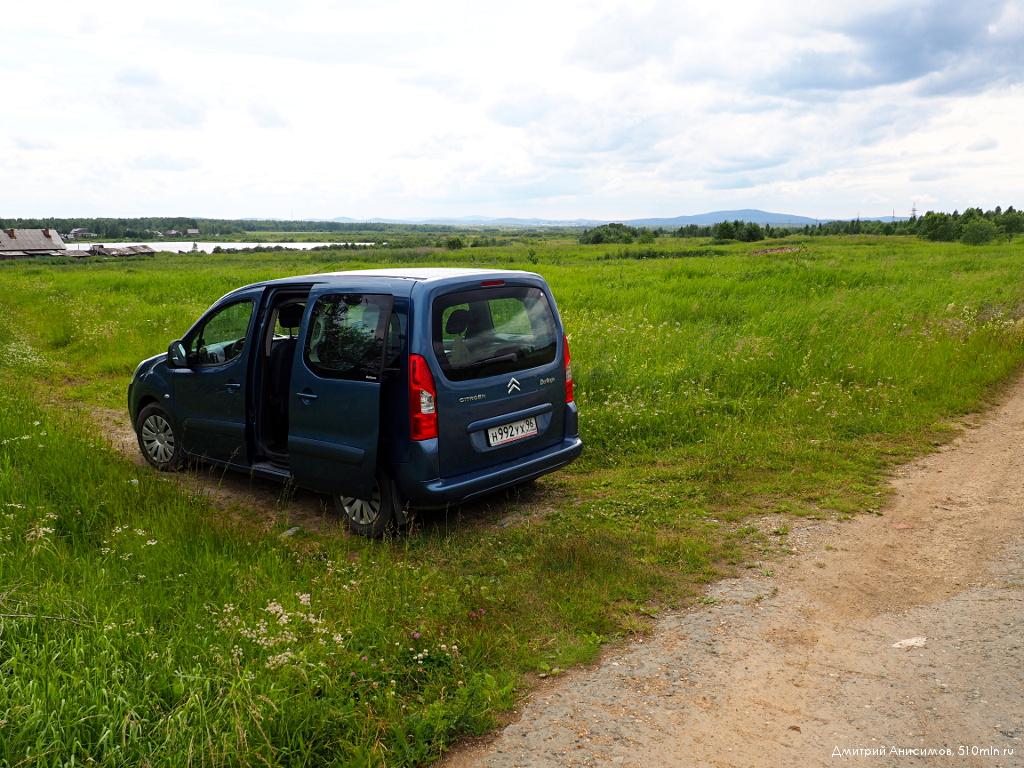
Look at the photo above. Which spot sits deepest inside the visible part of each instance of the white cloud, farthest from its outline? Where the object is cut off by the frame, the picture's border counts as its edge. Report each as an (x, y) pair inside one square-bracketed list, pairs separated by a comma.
[(32, 144), (558, 109), (267, 116), (983, 144), (140, 98), (163, 162)]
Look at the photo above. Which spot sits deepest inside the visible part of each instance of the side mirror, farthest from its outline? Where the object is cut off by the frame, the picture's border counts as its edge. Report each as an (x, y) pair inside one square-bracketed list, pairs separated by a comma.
[(176, 355)]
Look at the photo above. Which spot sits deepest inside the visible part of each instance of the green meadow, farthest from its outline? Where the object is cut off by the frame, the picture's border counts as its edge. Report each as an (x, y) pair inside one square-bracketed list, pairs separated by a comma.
[(719, 385)]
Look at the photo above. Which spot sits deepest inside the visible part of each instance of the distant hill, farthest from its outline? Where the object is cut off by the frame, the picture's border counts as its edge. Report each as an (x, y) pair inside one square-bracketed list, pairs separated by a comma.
[(707, 219), (485, 221), (700, 219)]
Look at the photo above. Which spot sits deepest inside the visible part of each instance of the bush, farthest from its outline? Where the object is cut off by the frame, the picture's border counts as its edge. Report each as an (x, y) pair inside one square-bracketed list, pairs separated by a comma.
[(979, 232), (612, 233)]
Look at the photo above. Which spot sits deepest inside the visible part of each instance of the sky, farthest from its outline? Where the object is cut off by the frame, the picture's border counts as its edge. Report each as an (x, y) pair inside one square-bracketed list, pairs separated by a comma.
[(553, 109)]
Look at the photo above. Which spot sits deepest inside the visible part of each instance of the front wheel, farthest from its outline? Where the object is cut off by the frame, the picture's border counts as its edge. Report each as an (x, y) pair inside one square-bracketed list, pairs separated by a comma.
[(158, 441), (373, 516)]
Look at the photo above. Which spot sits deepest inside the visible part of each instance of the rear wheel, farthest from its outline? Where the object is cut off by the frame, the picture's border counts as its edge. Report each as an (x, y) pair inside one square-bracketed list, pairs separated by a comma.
[(158, 440), (373, 516)]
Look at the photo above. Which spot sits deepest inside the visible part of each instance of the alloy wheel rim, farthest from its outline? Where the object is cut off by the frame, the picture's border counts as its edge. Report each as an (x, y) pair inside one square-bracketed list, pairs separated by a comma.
[(363, 511), (158, 438)]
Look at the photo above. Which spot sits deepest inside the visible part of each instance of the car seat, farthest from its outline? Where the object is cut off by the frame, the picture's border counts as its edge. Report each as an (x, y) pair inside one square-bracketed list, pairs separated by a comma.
[(279, 374), (458, 326)]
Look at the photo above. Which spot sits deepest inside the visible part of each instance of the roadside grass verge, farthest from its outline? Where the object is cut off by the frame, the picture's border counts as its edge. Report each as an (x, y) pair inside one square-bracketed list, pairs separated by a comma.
[(142, 626), (138, 627)]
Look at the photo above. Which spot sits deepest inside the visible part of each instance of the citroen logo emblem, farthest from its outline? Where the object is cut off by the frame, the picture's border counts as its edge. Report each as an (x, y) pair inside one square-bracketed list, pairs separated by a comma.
[(513, 385)]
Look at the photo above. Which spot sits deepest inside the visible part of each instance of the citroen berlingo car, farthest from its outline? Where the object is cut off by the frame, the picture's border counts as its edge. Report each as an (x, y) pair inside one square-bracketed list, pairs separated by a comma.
[(390, 389)]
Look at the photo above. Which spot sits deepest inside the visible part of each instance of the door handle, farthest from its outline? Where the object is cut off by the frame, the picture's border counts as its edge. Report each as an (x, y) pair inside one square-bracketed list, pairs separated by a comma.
[(306, 396), (232, 386)]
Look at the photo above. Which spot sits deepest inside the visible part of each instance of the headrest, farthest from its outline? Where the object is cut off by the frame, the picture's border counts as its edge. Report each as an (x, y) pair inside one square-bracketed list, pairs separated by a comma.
[(458, 321), (290, 315)]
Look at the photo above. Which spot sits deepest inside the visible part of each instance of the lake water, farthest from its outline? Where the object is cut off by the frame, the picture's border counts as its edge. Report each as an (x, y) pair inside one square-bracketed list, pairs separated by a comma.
[(186, 246)]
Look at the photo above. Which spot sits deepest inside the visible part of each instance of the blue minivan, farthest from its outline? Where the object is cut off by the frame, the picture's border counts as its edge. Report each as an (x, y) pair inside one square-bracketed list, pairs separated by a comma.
[(391, 389)]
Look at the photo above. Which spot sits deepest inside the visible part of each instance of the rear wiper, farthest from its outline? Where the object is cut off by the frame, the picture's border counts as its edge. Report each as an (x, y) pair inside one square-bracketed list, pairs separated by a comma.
[(510, 357)]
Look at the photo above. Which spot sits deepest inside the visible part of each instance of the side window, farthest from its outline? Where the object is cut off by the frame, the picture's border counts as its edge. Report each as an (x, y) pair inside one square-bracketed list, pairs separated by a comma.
[(511, 318), (221, 337), (395, 339), (346, 337), (453, 330)]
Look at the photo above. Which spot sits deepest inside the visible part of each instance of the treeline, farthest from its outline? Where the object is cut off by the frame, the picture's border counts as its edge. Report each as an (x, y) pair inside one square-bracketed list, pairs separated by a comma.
[(974, 226), (726, 230), (401, 235), (142, 228), (132, 229)]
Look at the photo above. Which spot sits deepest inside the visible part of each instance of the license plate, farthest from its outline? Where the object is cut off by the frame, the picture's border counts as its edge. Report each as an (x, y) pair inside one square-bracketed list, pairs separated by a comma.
[(508, 433)]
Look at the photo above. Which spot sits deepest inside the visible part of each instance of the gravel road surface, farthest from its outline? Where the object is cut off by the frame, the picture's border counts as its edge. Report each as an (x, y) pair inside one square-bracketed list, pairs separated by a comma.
[(891, 640)]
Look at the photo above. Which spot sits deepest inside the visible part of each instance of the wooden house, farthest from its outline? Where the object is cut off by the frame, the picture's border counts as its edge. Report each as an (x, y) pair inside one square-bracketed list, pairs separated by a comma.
[(25, 243)]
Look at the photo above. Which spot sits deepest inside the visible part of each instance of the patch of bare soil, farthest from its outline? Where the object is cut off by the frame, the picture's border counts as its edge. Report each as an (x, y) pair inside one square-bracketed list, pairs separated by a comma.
[(271, 506), (789, 249), (890, 640)]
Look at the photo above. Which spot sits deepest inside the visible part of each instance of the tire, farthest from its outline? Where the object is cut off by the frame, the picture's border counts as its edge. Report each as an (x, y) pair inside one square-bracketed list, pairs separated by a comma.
[(158, 440), (374, 516)]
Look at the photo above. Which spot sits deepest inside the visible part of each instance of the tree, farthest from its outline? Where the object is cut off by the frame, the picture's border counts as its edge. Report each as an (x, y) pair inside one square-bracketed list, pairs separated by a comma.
[(751, 232), (454, 243), (1012, 221), (979, 231), (937, 227), (724, 230), (693, 230)]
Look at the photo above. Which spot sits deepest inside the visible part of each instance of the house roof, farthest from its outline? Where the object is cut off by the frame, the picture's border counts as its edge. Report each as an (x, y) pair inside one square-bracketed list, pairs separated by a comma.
[(29, 240), (129, 250)]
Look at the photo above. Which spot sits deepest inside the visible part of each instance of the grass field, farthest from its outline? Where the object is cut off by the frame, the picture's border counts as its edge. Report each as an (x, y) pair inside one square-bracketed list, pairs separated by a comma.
[(140, 625)]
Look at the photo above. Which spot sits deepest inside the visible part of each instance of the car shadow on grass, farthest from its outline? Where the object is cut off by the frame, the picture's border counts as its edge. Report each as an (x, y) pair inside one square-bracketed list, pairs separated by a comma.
[(273, 507)]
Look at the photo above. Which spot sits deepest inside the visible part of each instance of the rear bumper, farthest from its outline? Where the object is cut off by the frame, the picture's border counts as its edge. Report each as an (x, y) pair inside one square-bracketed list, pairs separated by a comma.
[(446, 491)]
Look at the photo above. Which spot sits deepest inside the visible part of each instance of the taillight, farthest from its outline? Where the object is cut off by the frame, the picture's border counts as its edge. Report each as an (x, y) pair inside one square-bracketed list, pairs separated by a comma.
[(422, 400), (568, 371)]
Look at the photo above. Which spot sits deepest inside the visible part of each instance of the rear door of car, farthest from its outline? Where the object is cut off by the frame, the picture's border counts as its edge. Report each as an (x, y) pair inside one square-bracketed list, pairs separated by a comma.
[(501, 395), (334, 414)]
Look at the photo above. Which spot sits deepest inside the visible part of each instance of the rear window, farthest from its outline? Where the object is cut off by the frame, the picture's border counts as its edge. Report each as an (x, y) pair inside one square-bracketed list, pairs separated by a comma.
[(492, 331)]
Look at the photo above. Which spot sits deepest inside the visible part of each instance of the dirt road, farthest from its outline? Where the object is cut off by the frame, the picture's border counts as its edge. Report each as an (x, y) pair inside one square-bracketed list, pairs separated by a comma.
[(884, 641)]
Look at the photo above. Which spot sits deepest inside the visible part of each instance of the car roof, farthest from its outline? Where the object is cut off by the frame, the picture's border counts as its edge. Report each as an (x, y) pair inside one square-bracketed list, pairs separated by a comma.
[(426, 273), (411, 276)]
